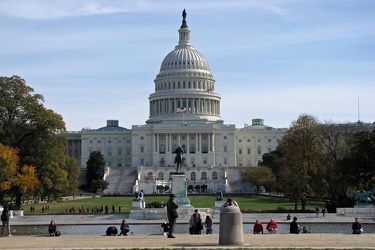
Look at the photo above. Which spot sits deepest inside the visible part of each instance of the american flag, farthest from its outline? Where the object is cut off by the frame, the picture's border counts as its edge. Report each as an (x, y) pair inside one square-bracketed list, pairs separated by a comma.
[(180, 110)]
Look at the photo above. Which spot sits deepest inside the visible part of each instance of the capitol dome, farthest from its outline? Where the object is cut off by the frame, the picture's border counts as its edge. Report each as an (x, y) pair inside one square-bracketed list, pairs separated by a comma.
[(184, 85)]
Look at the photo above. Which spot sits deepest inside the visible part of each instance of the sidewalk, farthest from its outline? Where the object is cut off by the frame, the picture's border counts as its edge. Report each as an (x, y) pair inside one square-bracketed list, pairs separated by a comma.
[(320, 241)]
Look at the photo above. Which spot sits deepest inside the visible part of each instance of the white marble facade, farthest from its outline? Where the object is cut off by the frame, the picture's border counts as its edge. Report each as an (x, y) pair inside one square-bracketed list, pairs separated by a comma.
[(183, 110)]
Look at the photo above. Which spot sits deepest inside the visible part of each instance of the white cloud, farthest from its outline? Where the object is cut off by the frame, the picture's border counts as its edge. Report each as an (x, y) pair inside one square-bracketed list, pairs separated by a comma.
[(42, 9)]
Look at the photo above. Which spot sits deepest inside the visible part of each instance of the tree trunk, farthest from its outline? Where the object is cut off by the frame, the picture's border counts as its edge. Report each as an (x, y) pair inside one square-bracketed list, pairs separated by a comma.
[(18, 199), (303, 205), (295, 206)]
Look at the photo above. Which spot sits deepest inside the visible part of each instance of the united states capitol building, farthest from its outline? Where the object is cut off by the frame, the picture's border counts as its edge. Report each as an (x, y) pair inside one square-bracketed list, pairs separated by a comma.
[(184, 110)]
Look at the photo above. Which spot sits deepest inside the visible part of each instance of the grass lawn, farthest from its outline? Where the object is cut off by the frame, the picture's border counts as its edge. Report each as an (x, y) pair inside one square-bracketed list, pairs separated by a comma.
[(248, 204)]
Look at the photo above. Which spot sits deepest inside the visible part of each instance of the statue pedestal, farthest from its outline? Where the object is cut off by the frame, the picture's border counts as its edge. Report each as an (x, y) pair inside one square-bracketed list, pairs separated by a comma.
[(179, 188), (138, 204), (219, 203)]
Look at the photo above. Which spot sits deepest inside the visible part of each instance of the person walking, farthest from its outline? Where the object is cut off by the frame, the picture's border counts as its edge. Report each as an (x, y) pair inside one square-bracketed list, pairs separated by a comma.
[(172, 214), (195, 223), (317, 212), (5, 217), (208, 224), (323, 211)]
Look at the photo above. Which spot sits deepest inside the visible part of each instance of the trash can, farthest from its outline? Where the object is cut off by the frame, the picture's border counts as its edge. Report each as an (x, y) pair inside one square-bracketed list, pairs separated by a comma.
[(231, 229)]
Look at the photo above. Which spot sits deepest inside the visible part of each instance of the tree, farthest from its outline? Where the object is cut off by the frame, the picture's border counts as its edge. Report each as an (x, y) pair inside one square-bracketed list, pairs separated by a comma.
[(360, 160), (98, 186), (8, 169), (336, 177), (302, 171), (11, 175), (38, 133), (258, 176), (95, 167)]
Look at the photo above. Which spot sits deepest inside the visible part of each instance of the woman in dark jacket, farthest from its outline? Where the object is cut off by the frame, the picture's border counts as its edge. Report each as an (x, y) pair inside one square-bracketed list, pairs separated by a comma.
[(5, 215)]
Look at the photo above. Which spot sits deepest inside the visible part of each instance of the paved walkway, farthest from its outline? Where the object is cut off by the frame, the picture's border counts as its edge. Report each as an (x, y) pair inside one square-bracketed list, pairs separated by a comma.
[(320, 241)]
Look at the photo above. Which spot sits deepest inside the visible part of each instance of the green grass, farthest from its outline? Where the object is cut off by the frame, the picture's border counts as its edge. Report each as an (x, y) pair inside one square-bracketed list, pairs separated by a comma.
[(246, 203)]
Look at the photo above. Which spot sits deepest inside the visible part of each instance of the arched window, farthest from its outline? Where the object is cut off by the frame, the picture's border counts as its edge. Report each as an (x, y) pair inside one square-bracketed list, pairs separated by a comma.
[(214, 176), (161, 176), (204, 176), (149, 176), (193, 176)]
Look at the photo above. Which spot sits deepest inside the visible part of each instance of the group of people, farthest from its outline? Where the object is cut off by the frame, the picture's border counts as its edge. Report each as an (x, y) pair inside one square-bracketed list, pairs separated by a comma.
[(271, 227), (294, 228)]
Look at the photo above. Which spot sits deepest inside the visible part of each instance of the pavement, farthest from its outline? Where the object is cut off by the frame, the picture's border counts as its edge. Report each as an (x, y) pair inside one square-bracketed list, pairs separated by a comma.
[(312, 240)]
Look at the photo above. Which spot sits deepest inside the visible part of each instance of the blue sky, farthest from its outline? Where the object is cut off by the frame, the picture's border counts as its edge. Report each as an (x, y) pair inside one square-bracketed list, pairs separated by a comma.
[(96, 60)]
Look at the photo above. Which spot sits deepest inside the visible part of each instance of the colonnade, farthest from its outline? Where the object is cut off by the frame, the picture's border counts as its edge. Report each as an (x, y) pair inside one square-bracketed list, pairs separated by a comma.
[(194, 142), (192, 106)]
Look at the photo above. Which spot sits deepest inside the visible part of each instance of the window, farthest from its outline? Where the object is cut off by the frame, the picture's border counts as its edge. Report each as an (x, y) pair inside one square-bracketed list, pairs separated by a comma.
[(142, 137), (204, 176), (240, 140), (225, 148), (214, 176), (192, 176), (127, 141), (192, 148), (119, 151), (225, 137), (161, 176), (269, 140), (109, 141), (249, 151), (240, 151), (142, 161), (99, 141), (269, 150), (90, 141), (259, 150), (142, 149), (149, 176), (258, 140), (119, 141), (248, 140), (128, 151)]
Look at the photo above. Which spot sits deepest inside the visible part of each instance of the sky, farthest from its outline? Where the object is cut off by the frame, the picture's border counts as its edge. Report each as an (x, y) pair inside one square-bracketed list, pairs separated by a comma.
[(95, 60)]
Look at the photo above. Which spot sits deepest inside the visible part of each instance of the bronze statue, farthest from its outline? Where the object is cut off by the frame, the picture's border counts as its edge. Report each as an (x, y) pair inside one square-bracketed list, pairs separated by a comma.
[(184, 14), (179, 158)]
